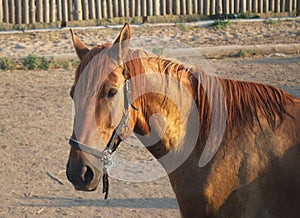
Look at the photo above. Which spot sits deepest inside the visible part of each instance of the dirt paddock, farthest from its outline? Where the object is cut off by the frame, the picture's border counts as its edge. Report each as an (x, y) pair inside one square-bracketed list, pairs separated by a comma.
[(36, 119)]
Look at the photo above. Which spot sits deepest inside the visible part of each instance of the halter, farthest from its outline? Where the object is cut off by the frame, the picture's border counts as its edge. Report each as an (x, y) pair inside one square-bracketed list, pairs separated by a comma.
[(120, 132)]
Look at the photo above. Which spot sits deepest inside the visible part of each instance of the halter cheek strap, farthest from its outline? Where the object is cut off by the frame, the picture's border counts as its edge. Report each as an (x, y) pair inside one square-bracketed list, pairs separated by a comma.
[(120, 132)]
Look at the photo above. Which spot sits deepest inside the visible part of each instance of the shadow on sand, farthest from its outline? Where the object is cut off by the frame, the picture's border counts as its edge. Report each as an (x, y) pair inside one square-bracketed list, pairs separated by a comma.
[(168, 203)]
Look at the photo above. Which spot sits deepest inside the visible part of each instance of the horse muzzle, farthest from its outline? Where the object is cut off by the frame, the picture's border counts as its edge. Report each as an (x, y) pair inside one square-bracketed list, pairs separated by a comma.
[(83, 175)]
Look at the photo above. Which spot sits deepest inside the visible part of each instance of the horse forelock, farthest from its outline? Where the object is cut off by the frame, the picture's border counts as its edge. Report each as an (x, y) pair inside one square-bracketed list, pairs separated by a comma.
[(88, 57)]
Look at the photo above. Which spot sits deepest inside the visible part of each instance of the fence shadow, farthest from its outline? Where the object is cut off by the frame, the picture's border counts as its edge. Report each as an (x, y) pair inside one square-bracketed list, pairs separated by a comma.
[(163, 203)]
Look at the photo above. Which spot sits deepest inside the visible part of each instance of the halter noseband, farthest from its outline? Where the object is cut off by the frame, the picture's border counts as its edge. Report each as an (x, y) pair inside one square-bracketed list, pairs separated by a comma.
[(121, 131)]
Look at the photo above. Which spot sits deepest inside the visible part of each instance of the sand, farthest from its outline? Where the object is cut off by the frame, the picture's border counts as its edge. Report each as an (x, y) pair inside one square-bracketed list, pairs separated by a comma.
[(53, 43)]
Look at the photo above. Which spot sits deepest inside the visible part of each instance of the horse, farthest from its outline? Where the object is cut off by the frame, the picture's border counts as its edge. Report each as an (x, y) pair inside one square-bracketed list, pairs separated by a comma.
[(230, 148)]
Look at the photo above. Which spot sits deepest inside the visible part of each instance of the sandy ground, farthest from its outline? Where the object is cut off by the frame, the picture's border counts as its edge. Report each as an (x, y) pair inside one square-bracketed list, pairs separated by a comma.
[(236, 33), (36, 119)]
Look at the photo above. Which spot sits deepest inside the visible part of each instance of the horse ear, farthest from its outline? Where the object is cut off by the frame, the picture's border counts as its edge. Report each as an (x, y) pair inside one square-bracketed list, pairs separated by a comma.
[(121, 44), (80, 48)]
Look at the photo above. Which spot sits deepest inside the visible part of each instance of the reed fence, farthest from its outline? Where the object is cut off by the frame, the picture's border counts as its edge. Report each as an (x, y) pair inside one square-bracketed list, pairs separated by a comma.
[(50, 11)]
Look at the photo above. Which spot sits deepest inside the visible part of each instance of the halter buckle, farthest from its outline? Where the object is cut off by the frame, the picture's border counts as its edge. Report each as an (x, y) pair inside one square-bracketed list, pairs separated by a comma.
[(107, 159)]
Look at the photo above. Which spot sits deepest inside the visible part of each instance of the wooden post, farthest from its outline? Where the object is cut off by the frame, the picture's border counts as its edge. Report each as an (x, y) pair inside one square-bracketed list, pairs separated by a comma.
[(282, 6), (1, 11), (11, 11), (169, 7), (98, 10), (85, 10), (183, 7), (177, 7), (60, 10), (266, 6), (109, 9), (115, 9), (277, 6), (243, 6), (32, 11), (52, 11), (235, 6), (155, 7), (163, 8), (298, 7), (189, 7), (138, 8), (131, 8), (214, 7), (104, 8), (206, 7), (249, 5), (227, 8), (255, 6), (195, 6), (71, 9), (18, 11), (200, 7), (92, 14), (78, 10), (25, 11), (5, 11), (63, 13), (271, 5), (261, 6), (231, 6), (126, 8), (220, 7), (121, 8), (290, 6), (46, 11), (149, 8), (144, 8)]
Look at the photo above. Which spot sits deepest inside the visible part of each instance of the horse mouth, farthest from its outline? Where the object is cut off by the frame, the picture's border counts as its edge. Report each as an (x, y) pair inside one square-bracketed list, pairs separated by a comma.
[(85, 188)]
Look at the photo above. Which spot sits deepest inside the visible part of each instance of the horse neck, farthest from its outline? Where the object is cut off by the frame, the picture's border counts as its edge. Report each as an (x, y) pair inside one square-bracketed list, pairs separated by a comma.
[(165, 105)]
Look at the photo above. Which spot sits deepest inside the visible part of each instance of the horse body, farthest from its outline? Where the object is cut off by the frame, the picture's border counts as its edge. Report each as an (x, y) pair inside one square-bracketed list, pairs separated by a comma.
[(254, 172), (250, 176)]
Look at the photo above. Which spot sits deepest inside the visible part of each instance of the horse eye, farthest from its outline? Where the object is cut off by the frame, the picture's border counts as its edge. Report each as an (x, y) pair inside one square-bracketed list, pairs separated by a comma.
[(112, 92)]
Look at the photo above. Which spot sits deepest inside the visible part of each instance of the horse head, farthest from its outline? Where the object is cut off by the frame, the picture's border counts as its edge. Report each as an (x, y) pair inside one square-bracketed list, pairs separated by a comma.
[(98, 95)]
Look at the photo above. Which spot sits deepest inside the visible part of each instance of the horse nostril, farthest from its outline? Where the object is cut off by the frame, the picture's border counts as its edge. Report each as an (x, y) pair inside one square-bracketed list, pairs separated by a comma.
[(87, 174)]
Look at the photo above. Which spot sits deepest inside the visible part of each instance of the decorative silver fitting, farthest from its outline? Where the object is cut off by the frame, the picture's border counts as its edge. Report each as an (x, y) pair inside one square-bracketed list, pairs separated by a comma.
[(128, 88), (107, 159)]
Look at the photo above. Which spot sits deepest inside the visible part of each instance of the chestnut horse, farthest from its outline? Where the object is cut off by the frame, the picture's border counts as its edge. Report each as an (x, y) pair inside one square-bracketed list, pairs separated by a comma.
[(230, 148)]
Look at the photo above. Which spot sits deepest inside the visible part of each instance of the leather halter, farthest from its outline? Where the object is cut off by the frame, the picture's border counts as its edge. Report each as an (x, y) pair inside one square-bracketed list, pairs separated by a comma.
[(120, 132)]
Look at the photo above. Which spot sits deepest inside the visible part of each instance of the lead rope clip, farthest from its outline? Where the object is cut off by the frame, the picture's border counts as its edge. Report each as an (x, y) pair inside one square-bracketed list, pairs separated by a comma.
[(107, 164)]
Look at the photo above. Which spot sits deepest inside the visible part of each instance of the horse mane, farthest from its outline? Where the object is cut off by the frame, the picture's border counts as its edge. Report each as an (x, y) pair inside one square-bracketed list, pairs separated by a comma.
[(245, 102), (249, 99)]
